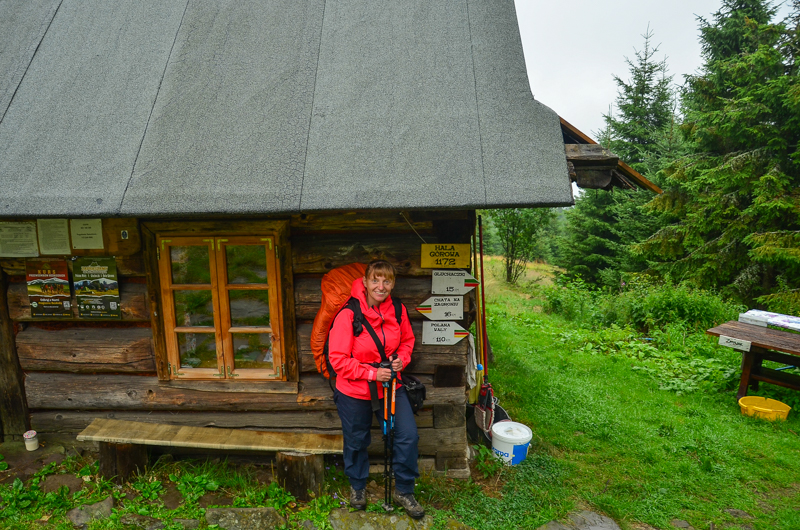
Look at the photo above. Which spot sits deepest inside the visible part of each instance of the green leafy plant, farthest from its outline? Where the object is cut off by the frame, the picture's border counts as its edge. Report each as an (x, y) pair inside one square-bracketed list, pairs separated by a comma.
[(3, 465), (17, 498), (193, 486), (317, 511), (148, 489), (486, 462)]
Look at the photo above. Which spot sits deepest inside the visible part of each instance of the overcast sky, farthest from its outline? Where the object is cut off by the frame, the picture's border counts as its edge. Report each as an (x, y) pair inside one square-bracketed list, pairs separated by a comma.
[(572, 49)]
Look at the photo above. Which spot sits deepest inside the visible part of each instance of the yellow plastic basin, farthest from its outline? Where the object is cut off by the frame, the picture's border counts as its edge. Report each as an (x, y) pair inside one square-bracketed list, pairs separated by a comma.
[(761, 407)]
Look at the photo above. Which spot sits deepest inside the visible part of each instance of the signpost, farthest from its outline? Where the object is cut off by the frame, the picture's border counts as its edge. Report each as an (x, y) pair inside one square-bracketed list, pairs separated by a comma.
[(452, 282), (442, 333), (445, 255), (443, 308)]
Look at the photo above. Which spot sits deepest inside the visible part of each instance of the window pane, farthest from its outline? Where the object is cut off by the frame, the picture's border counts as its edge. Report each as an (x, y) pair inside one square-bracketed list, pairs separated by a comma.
[(246, 263), (193, 308), (252, 350), (197, 350), (249, 308), (190, 265)]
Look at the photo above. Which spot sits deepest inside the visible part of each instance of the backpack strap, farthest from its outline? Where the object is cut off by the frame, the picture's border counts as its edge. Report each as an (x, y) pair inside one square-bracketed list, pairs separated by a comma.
[(360, 323), (358, 315)]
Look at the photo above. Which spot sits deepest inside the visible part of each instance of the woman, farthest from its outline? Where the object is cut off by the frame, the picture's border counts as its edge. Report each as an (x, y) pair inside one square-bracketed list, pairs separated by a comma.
[(355, 361)]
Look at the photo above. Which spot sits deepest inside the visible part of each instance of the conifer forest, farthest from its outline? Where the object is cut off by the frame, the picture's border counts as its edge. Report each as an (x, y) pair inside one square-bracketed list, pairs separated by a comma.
[(724, 146)]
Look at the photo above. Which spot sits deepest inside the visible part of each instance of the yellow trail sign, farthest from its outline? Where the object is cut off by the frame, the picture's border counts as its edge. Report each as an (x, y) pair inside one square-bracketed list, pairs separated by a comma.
[(446, 256)]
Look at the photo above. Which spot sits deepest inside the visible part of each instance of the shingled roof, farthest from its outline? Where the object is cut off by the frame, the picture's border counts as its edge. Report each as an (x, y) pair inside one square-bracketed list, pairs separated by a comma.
[(180, 107)]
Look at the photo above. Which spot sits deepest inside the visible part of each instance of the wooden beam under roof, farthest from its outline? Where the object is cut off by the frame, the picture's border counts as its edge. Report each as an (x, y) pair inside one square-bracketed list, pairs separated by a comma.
[(597, 168)]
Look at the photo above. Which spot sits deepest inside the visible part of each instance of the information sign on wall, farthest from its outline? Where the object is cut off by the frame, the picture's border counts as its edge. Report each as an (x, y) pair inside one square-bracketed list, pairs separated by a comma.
[(443, 308), (452, 282), (96, 287), (442, 333), (86, 234), (18, 240), (445, 256)]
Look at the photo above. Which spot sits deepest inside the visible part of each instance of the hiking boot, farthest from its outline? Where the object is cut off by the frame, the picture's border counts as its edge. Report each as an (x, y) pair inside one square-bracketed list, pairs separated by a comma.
[(358, 498), (410, 504)]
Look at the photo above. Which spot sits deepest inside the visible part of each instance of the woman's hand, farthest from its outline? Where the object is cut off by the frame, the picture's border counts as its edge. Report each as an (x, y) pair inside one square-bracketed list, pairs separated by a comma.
[(384, 375), (397, 364)]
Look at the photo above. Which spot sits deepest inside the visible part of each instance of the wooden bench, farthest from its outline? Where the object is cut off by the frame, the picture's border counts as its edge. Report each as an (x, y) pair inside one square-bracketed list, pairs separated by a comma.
[(123, 448), (759, 344)]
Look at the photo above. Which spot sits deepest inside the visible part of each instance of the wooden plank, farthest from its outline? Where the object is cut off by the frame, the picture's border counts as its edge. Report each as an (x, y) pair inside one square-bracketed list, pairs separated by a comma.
[(133, 303), (230, 227), (74, 421), (118, 431), (155, 303), (114, 229), (14, 419), (86, 350), (771, 339), (422, 361), (594, 155), (315, 391), (63, 391), (304, 341), (319, 253), (374, 220), (431, 441), (412, 291), (126, 265), (449, 416)]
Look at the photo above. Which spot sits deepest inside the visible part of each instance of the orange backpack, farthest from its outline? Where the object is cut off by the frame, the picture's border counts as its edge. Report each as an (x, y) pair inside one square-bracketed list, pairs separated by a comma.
[(336, 286)]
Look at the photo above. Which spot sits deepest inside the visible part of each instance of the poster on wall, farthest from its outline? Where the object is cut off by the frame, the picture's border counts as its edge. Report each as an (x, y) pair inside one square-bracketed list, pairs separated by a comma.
[(18, 240), (48, 289), (96, 287)]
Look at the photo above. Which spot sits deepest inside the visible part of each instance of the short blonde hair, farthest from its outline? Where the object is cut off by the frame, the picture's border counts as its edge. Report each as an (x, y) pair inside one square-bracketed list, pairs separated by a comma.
[(380, 267)]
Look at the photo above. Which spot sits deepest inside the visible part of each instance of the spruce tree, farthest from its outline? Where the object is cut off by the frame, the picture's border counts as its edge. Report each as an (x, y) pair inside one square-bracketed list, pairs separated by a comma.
[(735, 199), (603, 225)]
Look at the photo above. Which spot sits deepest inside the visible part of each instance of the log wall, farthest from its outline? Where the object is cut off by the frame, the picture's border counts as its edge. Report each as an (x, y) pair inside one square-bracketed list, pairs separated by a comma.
[(76, 370)]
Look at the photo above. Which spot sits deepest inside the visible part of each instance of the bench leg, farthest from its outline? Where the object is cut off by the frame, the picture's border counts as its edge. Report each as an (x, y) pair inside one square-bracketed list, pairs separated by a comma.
[(120, 461), (299, 473)]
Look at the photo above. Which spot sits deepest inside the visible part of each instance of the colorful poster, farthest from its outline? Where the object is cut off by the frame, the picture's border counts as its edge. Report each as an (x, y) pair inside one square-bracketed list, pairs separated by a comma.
[(96, 287), (48, 289)]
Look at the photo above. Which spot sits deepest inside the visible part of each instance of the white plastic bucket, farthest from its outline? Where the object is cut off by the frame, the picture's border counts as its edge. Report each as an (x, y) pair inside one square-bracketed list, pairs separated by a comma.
[(510, 441)]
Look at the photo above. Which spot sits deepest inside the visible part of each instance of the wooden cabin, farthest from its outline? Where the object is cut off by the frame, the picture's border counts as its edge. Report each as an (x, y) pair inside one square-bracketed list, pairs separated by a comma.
[(234, 152)]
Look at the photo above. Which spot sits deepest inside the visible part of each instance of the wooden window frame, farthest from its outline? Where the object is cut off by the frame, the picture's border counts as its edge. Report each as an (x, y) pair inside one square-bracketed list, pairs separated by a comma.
[(285, 353)]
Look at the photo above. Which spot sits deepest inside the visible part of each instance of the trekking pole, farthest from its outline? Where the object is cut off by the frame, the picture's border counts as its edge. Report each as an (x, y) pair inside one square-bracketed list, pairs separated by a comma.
[(387, 500), (391, 428)]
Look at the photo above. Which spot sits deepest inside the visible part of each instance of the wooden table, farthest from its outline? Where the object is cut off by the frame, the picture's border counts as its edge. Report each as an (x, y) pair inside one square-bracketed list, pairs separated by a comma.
[(759, 344)]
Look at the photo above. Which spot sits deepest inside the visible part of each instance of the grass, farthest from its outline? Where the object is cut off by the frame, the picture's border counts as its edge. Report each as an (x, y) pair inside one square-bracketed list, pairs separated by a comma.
[(643, 431), (639, 453)]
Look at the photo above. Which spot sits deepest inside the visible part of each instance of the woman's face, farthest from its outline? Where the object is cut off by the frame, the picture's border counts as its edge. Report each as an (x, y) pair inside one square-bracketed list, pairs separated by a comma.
[(378, 289)]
